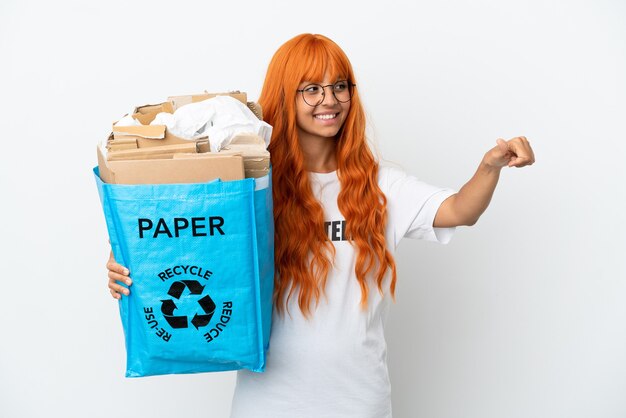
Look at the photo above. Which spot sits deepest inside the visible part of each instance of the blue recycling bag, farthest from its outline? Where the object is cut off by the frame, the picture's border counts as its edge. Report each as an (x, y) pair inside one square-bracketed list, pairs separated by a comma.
[(201, 257)]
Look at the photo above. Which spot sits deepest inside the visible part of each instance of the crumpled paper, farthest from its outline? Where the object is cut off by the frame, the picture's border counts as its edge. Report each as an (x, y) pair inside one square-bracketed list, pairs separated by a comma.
[(220, 118)]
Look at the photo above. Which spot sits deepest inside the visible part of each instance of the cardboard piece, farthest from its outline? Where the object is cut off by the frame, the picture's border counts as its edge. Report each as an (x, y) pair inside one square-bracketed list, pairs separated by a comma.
[(256, 109), (119, 146), (179, 101), (145, 114), (143, 131), (201, 168), (166, 151), (256, 158)]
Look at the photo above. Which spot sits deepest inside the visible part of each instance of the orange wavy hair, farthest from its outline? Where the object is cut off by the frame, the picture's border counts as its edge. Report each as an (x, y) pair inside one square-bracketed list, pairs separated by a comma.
[(303, 252)]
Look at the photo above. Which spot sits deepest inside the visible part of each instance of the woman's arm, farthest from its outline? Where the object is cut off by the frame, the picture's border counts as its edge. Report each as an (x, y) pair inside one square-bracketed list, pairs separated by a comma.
[(466, 206)]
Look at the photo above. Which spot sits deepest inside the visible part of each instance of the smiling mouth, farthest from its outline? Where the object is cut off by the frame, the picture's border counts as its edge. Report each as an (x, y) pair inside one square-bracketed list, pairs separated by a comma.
[(327, 116)]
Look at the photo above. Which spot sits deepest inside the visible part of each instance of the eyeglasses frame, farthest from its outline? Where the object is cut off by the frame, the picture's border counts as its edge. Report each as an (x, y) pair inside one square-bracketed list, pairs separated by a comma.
[(350, 86)]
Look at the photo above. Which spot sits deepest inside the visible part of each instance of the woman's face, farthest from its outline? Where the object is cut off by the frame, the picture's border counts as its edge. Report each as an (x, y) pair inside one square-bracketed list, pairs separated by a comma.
[(323, 120)]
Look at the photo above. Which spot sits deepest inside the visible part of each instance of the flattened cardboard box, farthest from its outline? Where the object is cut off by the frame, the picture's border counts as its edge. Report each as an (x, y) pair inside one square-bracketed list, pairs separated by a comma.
[(200, 168)]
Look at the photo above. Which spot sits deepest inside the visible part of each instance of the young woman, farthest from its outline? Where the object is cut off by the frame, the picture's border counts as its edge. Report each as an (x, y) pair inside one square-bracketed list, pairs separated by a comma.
[(338, 217)]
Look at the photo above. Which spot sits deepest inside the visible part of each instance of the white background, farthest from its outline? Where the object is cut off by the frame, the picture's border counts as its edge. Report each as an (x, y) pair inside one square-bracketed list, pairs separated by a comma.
[(522, 315)]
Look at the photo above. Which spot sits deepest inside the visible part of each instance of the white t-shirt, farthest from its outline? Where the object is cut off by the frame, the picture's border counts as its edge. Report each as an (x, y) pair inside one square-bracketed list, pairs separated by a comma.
[(334, 365)]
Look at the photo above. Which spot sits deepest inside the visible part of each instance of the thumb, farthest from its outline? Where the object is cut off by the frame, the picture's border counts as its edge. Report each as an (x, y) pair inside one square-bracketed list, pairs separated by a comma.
[(502, 145)]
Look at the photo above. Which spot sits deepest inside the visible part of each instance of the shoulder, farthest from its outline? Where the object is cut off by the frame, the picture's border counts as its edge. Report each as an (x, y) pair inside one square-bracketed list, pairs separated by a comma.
[(387, 176), (393, 180)]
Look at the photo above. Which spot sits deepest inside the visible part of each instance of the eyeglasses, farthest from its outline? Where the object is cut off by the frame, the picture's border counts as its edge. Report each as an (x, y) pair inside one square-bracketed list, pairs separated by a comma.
[(314, 94)]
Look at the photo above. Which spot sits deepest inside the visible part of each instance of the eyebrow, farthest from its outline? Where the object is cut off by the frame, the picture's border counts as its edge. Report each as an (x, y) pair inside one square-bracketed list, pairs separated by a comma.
[(321, 83)]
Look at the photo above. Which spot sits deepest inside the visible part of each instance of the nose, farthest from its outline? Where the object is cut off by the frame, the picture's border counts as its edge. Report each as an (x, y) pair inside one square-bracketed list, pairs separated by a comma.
[(329, 96)]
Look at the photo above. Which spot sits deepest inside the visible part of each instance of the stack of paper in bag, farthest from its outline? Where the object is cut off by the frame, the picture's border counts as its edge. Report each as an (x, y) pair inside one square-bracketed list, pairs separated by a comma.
[(153, 145)]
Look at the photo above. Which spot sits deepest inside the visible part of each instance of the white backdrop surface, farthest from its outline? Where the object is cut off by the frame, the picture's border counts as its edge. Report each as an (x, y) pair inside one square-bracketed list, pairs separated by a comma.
[(522, 315)]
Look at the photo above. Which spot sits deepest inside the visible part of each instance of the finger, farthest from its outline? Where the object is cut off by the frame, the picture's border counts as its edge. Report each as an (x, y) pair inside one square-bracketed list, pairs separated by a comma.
[(116, 277), (115, 294), (117, 268), (521, 141), (502, 145), (113, 265), (516, 146), (118, 288), (520, 161)]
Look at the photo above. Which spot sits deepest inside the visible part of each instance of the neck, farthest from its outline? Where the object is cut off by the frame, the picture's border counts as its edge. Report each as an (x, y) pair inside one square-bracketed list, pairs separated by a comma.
[(320, 154)]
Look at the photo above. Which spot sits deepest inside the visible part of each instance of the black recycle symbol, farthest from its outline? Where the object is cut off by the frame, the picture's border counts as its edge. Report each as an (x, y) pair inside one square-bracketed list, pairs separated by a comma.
[(176, 290)]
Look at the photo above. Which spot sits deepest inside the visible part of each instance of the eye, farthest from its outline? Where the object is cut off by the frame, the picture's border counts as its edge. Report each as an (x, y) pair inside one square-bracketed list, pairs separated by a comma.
[(312, 89), (340, 86)]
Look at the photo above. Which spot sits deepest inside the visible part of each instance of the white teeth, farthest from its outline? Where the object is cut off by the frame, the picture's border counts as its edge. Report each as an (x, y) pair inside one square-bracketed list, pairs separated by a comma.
[(326, 117)]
